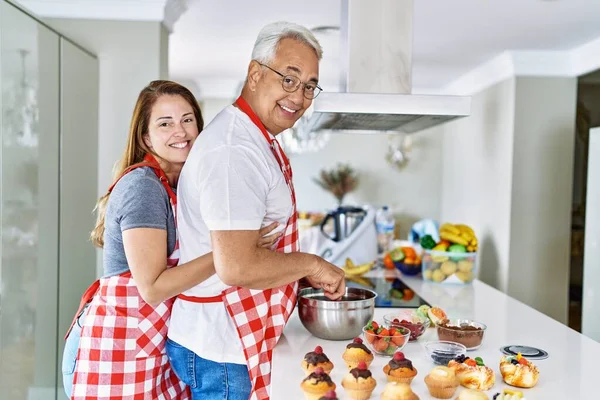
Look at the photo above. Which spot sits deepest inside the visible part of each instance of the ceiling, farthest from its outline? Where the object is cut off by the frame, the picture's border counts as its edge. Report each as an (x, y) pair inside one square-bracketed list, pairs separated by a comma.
[(212, 41)]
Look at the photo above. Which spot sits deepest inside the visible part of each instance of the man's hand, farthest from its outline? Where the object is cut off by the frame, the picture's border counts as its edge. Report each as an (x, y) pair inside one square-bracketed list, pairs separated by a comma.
[(328, 277), (268, 241)]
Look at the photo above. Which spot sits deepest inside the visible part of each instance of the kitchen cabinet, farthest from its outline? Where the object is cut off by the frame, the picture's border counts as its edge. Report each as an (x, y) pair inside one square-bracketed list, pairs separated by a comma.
[(48, 188)]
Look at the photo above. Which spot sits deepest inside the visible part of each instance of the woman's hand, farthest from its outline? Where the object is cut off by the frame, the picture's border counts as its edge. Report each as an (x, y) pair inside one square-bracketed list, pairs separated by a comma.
[(268, 241)]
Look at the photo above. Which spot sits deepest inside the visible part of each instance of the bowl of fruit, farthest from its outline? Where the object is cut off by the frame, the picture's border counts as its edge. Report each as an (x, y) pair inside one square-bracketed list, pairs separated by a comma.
[(384, 339), (453, 259), (417, 325), (405, 258)]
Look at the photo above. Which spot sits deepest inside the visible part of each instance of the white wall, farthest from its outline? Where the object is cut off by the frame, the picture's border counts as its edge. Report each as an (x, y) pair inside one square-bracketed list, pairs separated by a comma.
[(544, 138), (413, 192), (507, 171), (477, 174), (591, 278)]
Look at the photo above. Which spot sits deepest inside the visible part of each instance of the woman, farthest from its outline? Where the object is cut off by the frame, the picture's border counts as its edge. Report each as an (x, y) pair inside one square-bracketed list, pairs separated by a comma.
[(121, 350)]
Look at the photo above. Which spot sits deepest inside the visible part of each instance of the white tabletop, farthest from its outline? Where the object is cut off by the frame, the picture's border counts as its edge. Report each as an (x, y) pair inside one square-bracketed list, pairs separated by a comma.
[(568, 373)]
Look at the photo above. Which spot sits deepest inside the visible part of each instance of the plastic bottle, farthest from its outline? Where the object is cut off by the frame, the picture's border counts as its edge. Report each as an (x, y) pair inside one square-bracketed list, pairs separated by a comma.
[(385, 222)]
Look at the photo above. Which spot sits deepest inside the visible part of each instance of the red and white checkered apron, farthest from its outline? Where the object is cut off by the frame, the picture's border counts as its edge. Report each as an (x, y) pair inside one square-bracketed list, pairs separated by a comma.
[(261, 315), (122, 347)]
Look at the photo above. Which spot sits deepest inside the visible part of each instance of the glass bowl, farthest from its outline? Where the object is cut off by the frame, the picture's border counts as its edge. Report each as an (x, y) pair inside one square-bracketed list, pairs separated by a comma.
[(441, 352), (464, 331), (417, 325), (386, 344)]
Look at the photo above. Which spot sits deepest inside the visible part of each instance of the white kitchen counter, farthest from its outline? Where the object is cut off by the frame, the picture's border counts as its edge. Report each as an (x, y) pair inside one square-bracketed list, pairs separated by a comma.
[(568, 373)]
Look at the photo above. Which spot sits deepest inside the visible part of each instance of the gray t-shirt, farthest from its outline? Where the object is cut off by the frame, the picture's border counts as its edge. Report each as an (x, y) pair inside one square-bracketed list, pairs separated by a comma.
[(138, 200)]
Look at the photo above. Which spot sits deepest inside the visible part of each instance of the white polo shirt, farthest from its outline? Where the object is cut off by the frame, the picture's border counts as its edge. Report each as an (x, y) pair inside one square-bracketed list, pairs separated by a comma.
[(230, 181)]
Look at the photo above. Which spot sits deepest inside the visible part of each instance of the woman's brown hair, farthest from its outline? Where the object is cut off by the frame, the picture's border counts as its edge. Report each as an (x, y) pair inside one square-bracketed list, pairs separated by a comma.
[(136, 147)]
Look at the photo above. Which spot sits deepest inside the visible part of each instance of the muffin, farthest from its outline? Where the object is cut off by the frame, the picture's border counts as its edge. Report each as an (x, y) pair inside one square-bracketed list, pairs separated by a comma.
[(398, 391), (330, 396), (316, 359), (400, 369), (355, 353), (442, 382), (518, 371), (470, 394), (317, 384), (359, 384)]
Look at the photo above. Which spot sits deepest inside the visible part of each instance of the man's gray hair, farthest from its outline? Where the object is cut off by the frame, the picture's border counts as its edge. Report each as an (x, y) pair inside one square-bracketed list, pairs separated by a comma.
[(270, 35)]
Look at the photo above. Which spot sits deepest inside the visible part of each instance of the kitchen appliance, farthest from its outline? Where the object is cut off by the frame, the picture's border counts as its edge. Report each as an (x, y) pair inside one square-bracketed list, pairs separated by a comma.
[(353, 235), (345, 221), (336, 320), (376, 76)]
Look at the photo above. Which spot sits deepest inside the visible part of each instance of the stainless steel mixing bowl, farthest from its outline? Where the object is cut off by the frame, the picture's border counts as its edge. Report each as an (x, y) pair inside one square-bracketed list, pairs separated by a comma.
[(336, 320)]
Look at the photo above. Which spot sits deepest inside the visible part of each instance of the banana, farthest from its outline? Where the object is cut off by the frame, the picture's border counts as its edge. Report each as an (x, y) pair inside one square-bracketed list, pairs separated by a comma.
[(349, 263), (467, 236), (453, 238), (358, 269), (450, 228), (465, 228), (361, 281)]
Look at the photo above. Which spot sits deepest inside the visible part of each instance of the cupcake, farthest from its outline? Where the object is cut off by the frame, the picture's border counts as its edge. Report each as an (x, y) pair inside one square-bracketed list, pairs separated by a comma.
[(355, 353), (330, 396), (470, 394), (398, 391), (442, 382), (316, 359), (359, 383), (317, 384), (400, 369)]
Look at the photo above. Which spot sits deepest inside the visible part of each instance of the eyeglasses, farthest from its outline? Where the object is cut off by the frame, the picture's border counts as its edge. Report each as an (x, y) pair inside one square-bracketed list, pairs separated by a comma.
[(291, 83)]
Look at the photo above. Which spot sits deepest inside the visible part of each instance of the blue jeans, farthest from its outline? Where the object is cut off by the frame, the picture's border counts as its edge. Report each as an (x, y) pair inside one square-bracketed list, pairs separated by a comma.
[(69, 359), (209, 380)]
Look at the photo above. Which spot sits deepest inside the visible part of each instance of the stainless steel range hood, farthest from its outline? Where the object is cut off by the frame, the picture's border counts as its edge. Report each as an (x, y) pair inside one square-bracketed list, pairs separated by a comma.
[(376, 57)]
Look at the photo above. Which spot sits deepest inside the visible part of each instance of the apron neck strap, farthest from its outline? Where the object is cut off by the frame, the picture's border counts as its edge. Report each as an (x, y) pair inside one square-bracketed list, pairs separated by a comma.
[(284, 162), (150, 161)]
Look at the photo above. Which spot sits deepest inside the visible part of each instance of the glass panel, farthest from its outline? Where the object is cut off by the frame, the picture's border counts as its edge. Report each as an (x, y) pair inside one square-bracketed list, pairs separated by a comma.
[(29, 207)]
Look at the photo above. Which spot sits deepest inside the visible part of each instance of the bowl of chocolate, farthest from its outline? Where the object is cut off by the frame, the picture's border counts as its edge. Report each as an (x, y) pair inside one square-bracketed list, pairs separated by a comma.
[(466, 332)]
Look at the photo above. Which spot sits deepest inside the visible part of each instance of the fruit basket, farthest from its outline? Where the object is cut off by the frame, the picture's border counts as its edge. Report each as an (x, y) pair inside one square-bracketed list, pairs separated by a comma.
[(452, 260)]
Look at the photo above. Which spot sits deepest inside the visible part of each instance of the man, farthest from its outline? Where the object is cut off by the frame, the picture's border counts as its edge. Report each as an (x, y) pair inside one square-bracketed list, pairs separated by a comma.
[(237, 179)]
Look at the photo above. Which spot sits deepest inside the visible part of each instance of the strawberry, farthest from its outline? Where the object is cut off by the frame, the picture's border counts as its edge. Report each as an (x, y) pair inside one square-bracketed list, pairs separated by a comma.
[(384, 332), (380, 345), (362, 365), (398, 340), (392, 331), (318, 350), (399, 356), (396, 321), (375, 325), (522, 361), (370, 336), (471, 363)]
